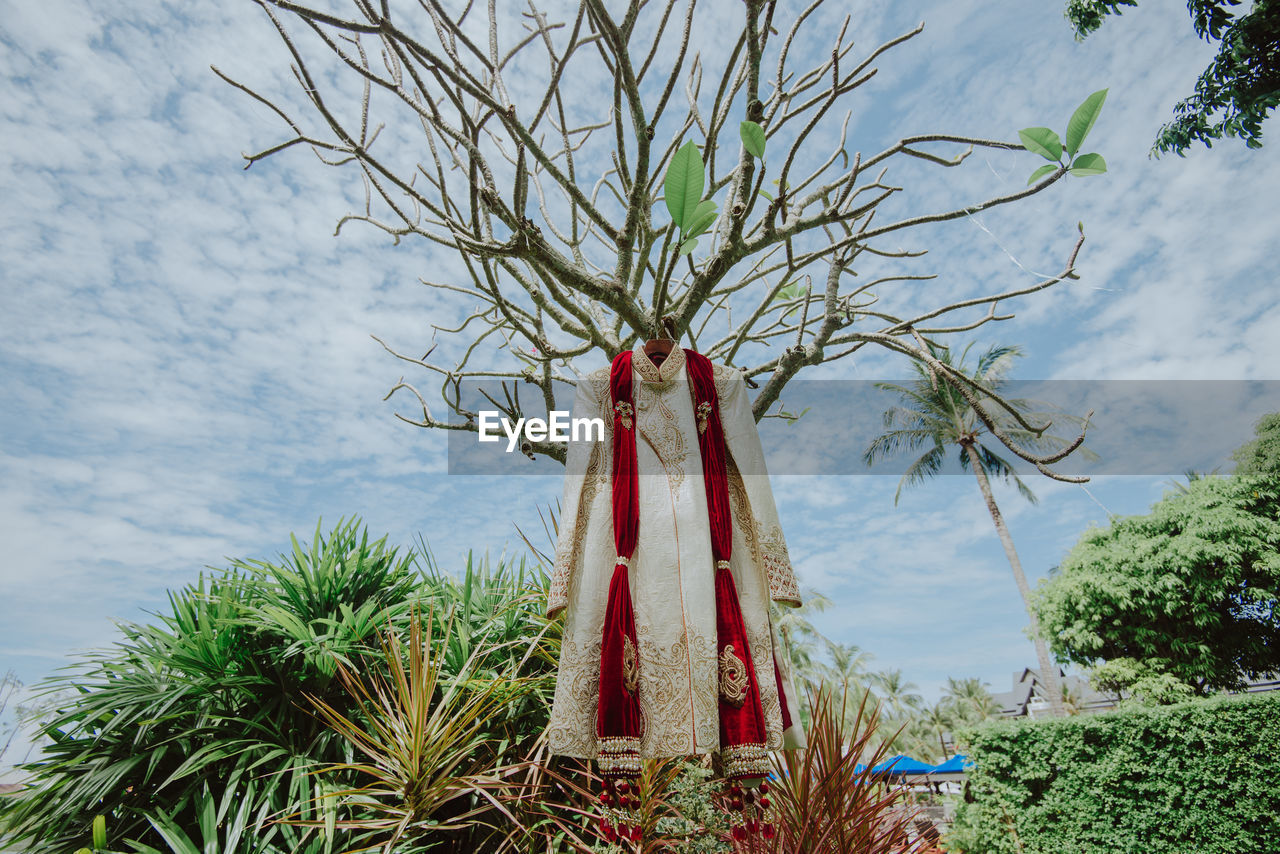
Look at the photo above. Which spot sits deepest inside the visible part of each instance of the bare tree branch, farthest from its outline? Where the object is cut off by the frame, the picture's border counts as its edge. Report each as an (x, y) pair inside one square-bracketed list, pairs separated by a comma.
[(539, 210)]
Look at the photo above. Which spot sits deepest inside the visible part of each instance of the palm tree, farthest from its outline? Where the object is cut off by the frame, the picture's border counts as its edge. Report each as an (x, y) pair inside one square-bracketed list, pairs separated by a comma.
[(938, 720), (799, 637), (899, 695), (969, 699), (846, 675), (1072, 700), (848, 667), (935, 415)]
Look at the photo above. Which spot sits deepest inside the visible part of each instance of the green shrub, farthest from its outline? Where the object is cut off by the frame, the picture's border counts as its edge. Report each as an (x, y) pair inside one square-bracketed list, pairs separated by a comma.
[(202, 726), (1194, 778)]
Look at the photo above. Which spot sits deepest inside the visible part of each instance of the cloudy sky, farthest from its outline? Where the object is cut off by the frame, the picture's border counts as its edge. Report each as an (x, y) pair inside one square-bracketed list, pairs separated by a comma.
[(187, 372)]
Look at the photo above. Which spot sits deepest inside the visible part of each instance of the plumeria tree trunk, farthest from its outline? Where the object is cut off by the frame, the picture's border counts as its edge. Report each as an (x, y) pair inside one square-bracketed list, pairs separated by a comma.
[(1048, 669)]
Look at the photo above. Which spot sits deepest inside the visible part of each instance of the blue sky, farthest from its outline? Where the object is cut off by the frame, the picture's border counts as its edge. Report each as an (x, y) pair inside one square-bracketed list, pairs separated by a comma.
[(187, 373)]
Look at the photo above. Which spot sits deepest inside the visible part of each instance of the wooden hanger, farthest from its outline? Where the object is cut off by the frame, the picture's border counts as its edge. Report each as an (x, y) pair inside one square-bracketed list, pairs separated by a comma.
[(659, 348)]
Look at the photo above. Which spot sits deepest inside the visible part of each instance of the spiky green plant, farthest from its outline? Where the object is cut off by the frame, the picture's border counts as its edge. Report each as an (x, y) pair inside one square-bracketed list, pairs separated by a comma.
[(428, 767), (214, 690)]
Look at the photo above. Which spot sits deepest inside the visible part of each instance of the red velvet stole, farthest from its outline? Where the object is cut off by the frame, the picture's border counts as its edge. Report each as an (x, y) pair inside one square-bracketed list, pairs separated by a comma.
[(742, 736), (619, 724)]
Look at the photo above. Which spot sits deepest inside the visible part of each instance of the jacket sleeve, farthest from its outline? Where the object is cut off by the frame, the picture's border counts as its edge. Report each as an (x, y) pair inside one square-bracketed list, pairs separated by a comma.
[(749, 486), (587, 457)]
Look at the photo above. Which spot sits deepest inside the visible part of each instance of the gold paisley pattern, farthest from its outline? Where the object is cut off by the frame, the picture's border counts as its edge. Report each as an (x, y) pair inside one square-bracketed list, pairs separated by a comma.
[(769, 550), (572, 728), (630, 667), (777, 565), (733, 677), (679, 718), (661, 430), (599, 382)]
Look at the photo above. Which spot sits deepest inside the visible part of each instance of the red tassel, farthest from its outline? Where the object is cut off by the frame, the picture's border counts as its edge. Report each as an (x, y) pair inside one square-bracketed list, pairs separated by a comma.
[(742, 734)]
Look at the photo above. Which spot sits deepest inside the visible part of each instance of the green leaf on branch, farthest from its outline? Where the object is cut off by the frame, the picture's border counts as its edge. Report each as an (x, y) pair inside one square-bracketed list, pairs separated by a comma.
[(752, 138), (1042, 141), (1082, 120), (1040, 173), (688, 246), (682, 187), (99, 831), (703, 215), (795, 290), (1088, 164)]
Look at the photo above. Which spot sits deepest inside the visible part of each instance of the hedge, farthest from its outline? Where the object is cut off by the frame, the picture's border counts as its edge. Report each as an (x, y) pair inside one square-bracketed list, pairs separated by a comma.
[(1201, 777)]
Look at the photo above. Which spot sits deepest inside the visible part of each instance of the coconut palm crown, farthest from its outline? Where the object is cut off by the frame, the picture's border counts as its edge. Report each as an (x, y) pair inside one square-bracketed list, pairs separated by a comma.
[(934, 414)]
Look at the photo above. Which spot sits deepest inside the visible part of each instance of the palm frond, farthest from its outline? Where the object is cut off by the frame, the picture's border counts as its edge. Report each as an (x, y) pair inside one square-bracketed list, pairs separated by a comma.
[(927, 465)]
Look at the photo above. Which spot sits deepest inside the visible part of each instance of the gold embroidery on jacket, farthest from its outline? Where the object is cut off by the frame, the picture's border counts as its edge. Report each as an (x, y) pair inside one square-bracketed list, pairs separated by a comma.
[(770, 550), (569, 550), (630, 667), (663, 689), (660, 427), (777, 565)]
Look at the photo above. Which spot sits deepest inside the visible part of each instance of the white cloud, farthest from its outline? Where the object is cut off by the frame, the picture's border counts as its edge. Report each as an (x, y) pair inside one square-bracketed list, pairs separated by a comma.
[(186, 369)]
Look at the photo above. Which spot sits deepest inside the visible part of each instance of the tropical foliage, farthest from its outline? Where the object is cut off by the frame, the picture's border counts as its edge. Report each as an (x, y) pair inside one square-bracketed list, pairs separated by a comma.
[(935, 416), (1194, 777), (1261, 455), (825, 803), (210, 722), (1190, 590), (1241, 86)]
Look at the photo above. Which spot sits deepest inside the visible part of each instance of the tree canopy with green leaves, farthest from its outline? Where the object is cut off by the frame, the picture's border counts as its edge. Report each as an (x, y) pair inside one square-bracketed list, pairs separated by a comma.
[(1240, 87), (1190, 590), (1262, 454)]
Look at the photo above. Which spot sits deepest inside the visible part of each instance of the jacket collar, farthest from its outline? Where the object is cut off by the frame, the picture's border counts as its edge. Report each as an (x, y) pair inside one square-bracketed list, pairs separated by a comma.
[(672, 366)]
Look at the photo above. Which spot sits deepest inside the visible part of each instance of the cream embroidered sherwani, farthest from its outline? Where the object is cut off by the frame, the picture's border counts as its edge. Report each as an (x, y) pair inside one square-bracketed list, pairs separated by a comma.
[(672, 571)]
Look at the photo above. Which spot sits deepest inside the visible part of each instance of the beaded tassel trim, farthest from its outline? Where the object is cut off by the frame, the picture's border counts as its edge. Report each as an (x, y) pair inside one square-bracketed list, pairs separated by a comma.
[(745, 760), (749, 809), (619, 757), (620, 820)]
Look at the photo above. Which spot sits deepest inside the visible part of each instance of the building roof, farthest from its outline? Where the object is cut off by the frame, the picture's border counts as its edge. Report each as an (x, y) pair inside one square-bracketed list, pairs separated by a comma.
[(1028, 697)]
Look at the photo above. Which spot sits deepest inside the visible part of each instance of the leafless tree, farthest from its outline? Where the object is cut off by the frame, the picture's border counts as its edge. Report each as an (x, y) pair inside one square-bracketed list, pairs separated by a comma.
[(549, 202)]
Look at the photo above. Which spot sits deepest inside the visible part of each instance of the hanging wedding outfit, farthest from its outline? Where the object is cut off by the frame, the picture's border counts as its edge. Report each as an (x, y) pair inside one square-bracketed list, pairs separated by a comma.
[(669, 554)]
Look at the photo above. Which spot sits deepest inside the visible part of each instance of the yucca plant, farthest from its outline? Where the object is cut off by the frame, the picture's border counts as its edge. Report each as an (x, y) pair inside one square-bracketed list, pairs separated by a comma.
[(430, 772), (215, 690)]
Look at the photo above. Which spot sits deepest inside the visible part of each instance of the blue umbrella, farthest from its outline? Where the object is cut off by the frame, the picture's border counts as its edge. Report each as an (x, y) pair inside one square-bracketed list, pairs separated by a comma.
[(955, 765), (902, 765)]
